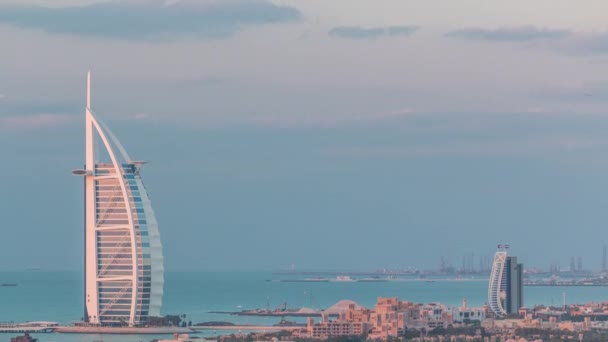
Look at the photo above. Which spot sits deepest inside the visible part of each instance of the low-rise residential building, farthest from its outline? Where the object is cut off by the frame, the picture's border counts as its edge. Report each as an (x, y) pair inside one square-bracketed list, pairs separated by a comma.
[(390, 317), (387, 318), (331, 328), (464, 313), (436, 315)]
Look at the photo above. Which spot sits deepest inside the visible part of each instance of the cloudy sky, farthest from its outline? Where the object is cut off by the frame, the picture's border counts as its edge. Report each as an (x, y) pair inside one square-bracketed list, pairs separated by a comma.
[(324, 134)]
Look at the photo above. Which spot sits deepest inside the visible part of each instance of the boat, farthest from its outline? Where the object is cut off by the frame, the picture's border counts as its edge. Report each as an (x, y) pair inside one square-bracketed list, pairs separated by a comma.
[(343, 278), (373, 280), (306, 280), (8, 284)]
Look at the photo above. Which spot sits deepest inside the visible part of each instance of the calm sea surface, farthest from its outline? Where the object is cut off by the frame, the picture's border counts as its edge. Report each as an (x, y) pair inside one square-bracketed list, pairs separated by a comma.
[(57, 296)]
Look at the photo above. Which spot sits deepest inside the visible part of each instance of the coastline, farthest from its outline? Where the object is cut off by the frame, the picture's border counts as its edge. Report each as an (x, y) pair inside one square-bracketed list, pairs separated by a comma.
[(123, 330), (165, 330)]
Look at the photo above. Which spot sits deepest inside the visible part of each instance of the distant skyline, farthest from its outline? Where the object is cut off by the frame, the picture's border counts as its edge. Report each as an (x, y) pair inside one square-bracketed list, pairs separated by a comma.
[(350, 134)]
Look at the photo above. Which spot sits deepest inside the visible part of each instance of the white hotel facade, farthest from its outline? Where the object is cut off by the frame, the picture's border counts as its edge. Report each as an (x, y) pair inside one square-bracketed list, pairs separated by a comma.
[(123, 253)]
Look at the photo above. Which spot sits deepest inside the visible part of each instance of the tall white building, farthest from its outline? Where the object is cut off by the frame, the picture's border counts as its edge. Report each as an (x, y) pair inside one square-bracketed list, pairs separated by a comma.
[(505, 288), (123, 254)]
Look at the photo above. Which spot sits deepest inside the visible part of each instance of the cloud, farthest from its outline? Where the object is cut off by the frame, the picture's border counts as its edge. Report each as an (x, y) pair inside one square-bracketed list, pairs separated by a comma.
[(536, 110), (586, 92), (358, 32), (587, 43), (150, 20), (581, 43), (510, 34), (334, 121), (521, 147), (36, 121), (19, 105)]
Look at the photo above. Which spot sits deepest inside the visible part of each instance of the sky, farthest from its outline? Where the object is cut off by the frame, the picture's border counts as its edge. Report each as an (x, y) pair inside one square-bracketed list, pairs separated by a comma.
[(315, 134)]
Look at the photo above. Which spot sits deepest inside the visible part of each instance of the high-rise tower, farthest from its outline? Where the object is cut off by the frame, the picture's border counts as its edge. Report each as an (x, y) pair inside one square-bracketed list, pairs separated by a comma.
[(505, 289), (123, 254)]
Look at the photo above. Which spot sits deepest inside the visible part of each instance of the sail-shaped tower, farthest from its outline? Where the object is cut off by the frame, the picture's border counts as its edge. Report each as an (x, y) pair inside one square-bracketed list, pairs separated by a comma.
[(505, 288), (497, 284), (123, 253)]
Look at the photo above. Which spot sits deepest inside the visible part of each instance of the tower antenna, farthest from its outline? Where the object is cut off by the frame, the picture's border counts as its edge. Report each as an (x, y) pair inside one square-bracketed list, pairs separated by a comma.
[(604, 260), (89, 89)]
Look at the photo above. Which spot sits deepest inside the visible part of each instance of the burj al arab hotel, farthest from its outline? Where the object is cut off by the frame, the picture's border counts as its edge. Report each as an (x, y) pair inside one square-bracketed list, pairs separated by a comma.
[(123, 254)]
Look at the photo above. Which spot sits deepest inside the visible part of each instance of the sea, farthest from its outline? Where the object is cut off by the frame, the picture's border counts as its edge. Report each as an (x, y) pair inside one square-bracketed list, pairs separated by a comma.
[(58, 297)]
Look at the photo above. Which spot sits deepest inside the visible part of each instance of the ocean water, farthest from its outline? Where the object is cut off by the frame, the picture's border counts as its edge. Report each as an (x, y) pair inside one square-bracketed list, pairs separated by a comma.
[(57, 296)]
